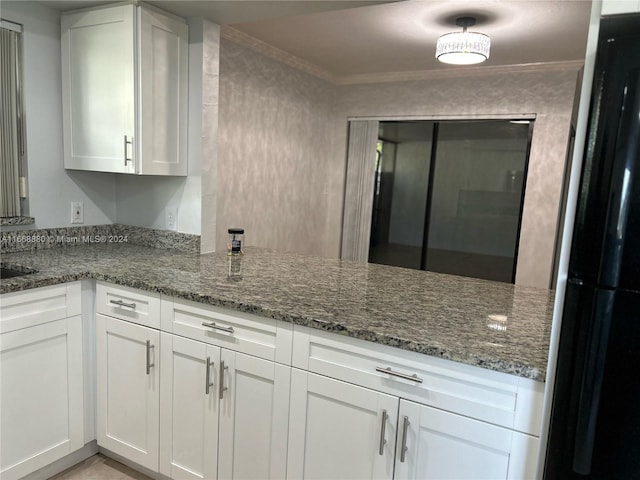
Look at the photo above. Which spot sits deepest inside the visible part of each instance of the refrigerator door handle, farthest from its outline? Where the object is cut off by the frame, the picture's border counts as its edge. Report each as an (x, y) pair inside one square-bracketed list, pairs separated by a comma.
[(591, 384), (621, 197)]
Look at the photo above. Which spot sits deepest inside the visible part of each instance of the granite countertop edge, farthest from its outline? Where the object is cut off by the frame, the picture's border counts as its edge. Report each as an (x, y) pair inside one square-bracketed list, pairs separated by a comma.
[(433, 349)]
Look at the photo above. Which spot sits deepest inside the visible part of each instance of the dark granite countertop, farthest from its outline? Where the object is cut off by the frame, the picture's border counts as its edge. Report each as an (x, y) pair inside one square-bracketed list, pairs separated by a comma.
[(446, 316)]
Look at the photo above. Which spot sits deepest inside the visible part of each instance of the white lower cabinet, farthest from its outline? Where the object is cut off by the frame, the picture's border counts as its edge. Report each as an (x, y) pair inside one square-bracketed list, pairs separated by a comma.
[(435, 444), (128, 388), (254, 414), (339, 431), (206, 393), (343, 431), (223, 414), (189, 407), (41, 385)]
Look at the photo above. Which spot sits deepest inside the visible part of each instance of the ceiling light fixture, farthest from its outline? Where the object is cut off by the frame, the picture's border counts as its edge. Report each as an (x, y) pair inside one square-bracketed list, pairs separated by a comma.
[(463, 48)]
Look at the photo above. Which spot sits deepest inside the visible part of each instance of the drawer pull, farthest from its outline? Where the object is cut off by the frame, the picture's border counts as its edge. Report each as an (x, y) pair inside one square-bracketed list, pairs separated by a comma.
[(403, 447), (208, 381), (388, 371), (120, 303), (149, 364), (127, 142), (383, 427), (221, 386), (217, 327)]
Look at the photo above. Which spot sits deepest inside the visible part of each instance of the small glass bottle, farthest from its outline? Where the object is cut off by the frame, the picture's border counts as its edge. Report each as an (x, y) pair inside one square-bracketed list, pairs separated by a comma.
[(236, 238)]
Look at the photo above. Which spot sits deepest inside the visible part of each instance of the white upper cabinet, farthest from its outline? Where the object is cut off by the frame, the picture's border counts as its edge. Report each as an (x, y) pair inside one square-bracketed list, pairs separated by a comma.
[(125, 88)]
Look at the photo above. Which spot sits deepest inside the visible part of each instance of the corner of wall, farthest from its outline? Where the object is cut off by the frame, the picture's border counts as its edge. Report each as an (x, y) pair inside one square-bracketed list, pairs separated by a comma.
[(205, 112)]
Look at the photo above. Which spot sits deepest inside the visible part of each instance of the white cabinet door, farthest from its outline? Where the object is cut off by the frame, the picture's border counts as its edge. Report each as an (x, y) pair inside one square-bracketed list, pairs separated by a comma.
[(434, 444), (128, 390), (254, 413), (163, 94), (41, 395), (339, 431), (188, 408), (99, 89), (125, 90)]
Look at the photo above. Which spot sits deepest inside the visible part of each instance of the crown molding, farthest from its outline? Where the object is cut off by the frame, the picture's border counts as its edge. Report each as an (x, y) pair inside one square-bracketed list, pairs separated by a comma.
[(275, 53), (568, 66)]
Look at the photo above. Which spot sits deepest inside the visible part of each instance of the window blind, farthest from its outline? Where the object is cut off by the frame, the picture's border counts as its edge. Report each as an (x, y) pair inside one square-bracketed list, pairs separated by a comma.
[(10, 128)]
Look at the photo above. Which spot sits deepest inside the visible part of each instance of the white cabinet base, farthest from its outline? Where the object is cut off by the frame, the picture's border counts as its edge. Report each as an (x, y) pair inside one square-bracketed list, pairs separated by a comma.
[(443, 445), (128, 390), (254, 416), (41, 384), (188, 408), (336, 430), (68, 461)]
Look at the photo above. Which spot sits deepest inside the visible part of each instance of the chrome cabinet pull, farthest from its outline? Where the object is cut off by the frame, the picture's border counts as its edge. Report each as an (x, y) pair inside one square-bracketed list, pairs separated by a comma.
[(383, 428), (208, 382), (217, 327), (388, 371), (126, 150), (120, 303), (149, 364), (221, 387), (404, 448)]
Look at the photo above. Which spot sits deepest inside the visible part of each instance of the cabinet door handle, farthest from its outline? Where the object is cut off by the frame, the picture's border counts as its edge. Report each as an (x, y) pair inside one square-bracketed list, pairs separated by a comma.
[(403, 447), (126, 150), (208, 382), (221, 387), (120, 303), (217, 327), (383, 428), (149, 364), (388, 371)]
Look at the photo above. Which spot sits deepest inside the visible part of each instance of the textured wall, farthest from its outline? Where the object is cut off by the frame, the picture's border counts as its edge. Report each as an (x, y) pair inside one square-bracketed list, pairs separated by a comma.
[(548, 95), (209, 132), (283, 136), (277, 156)]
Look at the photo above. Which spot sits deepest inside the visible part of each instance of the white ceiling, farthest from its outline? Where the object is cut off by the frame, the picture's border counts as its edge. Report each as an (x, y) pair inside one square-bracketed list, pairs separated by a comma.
[(225, 12), (401, 36), (348, 38)]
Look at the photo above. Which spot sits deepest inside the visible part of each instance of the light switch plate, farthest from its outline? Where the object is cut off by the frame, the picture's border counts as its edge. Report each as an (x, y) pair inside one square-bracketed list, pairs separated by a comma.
[(171, 218), (77, 212)]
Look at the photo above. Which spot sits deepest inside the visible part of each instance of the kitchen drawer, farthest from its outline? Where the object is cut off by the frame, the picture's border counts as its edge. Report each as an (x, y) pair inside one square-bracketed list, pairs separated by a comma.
[(29, 308), (486, 395), (129, 304), (242, 332)]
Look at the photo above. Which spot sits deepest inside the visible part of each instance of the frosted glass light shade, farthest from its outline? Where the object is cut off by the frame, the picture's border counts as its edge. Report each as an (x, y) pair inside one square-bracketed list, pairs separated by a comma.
[(463, 48)]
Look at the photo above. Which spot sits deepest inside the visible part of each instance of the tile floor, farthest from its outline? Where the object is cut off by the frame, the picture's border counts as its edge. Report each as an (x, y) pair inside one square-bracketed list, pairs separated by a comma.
[(100, 467)]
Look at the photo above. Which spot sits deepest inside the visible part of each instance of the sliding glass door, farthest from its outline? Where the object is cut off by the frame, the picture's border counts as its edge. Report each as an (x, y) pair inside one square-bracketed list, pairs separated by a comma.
[(448, 196)]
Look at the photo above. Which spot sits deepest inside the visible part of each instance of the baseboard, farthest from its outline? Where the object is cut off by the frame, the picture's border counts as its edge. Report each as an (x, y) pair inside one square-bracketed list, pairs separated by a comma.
[(68, 461), (134, 465)]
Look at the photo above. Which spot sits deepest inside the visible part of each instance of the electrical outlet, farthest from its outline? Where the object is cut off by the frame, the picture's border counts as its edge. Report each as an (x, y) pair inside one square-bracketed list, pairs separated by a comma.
[(171, 218), (77, 212)]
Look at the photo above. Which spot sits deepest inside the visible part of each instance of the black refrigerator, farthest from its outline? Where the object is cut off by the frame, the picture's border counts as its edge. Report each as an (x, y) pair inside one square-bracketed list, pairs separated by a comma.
[(595, 417)]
